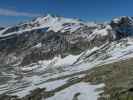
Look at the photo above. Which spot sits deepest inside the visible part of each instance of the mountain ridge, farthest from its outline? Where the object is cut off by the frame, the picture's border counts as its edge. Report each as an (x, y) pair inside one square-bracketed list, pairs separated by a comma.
[(51, 48)]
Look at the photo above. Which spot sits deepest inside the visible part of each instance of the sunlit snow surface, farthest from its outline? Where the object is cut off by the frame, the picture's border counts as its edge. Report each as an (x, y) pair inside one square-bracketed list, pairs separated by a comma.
[(85, 90)]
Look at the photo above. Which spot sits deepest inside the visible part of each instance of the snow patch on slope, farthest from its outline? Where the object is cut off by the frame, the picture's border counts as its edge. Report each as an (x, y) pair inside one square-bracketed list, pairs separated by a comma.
[(55, 62), (107, 53), (34, 85), (85, 91), (104, 31)]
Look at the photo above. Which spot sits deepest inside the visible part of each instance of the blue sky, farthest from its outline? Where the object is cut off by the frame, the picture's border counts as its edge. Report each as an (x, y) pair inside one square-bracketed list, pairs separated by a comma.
[(15, 11)]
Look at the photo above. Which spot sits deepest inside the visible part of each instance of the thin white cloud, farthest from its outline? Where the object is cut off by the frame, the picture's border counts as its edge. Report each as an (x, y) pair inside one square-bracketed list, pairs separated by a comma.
[(7, 12)]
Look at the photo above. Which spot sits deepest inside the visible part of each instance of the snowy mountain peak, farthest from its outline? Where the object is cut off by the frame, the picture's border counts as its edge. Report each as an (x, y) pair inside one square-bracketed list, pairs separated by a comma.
[(56, 23), (46, 18), (51, 22)]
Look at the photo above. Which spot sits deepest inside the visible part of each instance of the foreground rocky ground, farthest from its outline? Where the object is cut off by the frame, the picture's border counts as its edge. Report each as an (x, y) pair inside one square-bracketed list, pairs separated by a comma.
[(118, 79)]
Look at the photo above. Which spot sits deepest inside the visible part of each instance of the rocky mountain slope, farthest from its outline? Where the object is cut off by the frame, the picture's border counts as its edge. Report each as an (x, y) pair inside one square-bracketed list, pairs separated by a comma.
[(51, 57)]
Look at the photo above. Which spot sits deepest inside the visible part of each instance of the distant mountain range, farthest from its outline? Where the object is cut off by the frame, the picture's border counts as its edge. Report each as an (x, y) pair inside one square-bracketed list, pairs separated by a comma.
[(53, 49)]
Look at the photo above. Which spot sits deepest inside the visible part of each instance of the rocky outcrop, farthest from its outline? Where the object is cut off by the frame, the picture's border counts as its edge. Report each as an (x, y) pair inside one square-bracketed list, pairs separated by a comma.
[(123, 26)]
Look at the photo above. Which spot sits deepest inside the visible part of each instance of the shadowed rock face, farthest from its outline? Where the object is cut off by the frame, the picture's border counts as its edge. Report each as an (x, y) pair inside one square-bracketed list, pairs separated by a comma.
[(52, 43), (1, 28), (123, 26)]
